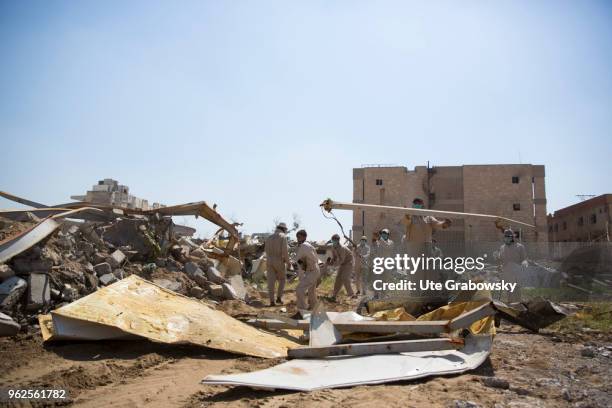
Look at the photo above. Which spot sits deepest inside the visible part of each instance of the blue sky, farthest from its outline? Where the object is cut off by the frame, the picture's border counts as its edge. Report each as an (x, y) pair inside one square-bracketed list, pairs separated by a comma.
[(264, 107)]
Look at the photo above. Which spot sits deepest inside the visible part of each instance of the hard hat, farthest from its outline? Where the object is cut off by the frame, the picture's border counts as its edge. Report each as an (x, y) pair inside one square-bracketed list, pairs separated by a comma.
[(364, 237), (335, 236), (385, 230)]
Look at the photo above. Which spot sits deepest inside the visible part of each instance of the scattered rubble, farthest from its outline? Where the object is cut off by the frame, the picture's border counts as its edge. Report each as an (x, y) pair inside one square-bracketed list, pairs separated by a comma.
[(81, 247)]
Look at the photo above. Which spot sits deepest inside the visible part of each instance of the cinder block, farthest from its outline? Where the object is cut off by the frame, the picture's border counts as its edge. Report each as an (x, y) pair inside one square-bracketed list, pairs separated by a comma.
[(216, 290), (108, 279), (39, 291), (116, 259)]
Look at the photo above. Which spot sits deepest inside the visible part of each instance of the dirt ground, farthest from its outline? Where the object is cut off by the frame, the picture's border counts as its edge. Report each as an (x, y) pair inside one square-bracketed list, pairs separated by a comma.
[(550, 369)]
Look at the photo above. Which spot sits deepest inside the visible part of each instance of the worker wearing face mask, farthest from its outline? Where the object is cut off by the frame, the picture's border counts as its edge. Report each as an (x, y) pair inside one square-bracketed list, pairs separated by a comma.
[(512, 257), (420, 228), (418, 240), (308, 272), (385, 247), (342, 257)]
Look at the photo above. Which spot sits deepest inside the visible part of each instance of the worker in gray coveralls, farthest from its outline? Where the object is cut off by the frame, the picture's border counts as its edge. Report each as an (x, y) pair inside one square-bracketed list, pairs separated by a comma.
[(513, 257)]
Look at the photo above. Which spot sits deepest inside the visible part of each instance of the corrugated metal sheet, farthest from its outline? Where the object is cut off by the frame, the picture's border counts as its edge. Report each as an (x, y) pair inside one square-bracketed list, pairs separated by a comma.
[(138, 307), (336, 372)]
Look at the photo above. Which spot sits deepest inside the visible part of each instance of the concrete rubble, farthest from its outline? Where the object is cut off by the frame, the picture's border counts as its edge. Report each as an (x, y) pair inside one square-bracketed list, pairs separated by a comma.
[(70, 273), (72, 250)]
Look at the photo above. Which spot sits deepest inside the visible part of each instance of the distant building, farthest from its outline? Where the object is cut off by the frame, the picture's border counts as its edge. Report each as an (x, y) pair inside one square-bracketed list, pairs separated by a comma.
[(582, 222), (110, 192), (514, 191)]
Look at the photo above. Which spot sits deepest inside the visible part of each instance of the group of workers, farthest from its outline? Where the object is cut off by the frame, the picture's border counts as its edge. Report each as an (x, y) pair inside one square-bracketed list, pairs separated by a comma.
[(355, 261)]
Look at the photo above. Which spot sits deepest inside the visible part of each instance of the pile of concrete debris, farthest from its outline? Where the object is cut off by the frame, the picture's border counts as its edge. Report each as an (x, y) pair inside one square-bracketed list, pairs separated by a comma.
[(52, 256)]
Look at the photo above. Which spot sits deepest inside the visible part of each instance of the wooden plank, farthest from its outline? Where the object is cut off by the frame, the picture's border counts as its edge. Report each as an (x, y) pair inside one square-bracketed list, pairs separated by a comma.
[(279, 325), (387, 347), (465, 320), (330, 204), (424, 327)]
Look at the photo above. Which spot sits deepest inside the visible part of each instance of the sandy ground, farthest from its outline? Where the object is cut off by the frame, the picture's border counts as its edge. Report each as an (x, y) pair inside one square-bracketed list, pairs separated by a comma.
[(543, 370)]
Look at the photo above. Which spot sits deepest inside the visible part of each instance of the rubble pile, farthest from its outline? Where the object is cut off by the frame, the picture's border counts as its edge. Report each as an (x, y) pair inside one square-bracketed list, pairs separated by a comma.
[(80, 257)]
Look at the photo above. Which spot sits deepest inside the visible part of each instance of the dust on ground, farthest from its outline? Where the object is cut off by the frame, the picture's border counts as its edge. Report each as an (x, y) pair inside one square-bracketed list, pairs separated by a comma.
[(566, 366)]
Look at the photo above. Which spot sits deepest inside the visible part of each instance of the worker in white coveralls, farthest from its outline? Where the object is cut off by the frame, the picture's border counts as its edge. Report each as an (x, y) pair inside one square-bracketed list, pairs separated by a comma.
[(385, 247), (382, 247), (513, 258), (277, 255), (361, 259), (308, 272), (342, 257)]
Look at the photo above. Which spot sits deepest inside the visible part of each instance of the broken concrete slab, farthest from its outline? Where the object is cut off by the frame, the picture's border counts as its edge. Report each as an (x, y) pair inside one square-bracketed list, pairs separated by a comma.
[(116, 259), (107, 279), (237, 284), (192, 268), (11, 291), (39, 291), (103, 268), (228, 292), (195, 273), (8, 327), (119, 273), (98, 258), (197, 292), (216, 290), (229, 266), (138, 307), (214, 275)]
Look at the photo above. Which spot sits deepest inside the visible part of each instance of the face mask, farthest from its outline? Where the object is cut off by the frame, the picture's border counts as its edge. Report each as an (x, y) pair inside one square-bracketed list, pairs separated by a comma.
[(362, 242), (384, 236), (417, 206), (335, 243), (508, 240)]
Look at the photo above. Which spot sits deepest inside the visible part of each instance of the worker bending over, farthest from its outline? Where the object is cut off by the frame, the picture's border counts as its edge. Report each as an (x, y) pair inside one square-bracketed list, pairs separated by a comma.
[(308, 272)]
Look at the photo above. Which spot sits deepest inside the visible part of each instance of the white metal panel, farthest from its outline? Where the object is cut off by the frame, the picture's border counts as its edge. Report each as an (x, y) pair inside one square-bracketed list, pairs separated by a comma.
[(335, 372)]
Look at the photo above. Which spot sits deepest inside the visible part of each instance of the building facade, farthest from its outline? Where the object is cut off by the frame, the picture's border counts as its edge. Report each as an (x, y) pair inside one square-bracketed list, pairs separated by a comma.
[(110, 192), (514, 191), (586, 221)]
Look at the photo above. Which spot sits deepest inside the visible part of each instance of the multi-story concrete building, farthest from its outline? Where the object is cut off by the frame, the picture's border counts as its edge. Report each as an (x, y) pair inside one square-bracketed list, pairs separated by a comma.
[(586, 221), (514, 191), (110, 192)]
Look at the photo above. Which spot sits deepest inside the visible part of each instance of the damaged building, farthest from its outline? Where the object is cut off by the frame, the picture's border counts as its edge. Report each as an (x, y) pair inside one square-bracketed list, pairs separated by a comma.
[(515, 191)]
